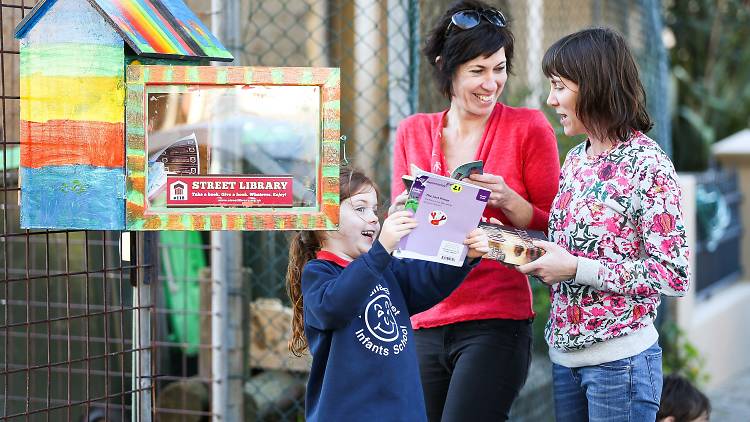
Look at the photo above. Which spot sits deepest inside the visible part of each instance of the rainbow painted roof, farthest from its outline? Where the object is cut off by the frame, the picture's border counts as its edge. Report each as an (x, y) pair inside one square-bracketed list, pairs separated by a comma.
[(152, 28)]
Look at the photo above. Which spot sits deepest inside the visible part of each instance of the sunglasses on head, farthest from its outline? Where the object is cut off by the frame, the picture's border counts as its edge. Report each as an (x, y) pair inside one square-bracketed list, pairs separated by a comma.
[(467, 19)]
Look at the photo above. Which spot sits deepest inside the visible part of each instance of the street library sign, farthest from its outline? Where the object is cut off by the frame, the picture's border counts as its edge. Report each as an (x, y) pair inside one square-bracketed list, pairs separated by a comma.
[(230, 191)]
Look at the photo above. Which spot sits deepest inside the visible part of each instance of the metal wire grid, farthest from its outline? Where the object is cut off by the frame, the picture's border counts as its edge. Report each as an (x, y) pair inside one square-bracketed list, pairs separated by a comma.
[(181, 345), (66, 297)]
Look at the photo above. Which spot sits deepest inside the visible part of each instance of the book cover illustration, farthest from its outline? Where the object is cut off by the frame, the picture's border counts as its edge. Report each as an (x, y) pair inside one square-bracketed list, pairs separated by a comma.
[(181, 157), (446, 211), (512, 245)]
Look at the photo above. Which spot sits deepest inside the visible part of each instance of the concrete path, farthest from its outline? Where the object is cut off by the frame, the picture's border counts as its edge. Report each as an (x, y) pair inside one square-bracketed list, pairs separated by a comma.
[(730, 401)]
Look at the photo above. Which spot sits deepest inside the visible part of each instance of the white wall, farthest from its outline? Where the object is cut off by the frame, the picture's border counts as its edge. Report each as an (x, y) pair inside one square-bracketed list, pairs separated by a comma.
[(719, 326)]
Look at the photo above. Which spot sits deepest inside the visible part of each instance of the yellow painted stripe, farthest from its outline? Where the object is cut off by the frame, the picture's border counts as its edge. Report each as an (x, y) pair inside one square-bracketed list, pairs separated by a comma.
[(98, 99)]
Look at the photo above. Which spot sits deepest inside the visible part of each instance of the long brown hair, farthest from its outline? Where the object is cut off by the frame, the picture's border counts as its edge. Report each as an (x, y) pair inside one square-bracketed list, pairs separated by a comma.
[(304, 247), (611, 99)]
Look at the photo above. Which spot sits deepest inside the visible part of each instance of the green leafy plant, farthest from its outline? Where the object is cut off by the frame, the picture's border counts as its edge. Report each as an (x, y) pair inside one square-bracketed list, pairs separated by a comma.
[(680, 355), (710, 64), (541, 305)]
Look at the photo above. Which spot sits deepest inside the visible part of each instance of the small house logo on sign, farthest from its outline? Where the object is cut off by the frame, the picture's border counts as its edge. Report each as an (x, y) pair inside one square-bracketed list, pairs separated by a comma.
[(178, 191)]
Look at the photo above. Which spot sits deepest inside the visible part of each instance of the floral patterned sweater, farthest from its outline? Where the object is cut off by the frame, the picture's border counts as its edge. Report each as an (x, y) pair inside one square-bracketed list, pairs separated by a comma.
[(620, 213)]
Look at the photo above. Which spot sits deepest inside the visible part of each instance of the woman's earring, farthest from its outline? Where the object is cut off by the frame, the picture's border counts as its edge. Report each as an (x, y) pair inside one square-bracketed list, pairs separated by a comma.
[(344, 160)]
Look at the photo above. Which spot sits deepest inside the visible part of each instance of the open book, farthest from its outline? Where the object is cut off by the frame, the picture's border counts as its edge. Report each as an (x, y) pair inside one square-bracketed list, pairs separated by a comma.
[(446, 211), (512, 245)]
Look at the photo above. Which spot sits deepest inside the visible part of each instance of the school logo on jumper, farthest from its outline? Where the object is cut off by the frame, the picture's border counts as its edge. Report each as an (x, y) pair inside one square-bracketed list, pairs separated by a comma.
[(380, 320), (382, 334)]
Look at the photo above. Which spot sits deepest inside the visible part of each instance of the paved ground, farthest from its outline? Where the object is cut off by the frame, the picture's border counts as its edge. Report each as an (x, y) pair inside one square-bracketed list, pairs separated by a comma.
[(731, 400)]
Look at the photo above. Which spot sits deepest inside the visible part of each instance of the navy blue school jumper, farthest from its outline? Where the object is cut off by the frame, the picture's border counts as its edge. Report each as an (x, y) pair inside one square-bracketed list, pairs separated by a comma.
[(357, 326)]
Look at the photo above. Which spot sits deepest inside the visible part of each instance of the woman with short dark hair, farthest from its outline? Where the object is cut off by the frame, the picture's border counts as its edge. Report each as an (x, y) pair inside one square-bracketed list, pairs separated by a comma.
[(617, 239), (474, 347)]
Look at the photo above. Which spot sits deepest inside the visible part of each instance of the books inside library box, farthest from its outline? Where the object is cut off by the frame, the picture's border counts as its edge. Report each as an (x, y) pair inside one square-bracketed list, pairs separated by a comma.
[(512, 245)]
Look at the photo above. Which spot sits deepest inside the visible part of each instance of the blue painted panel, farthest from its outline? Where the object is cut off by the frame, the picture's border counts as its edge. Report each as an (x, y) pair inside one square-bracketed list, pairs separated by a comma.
[(70, 21), (72, 197), (32, 17)]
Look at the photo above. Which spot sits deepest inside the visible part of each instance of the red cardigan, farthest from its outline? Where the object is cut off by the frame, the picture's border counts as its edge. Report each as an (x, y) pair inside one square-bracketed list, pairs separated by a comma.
[(519, 145)]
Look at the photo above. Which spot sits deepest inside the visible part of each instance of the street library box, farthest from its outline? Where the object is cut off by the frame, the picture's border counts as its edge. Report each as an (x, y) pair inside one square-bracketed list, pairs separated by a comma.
[(125, 126)]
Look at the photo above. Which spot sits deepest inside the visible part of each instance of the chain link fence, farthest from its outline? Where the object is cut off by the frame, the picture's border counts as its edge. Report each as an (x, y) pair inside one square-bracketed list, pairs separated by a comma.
[(67, 310), (67, 299), (377, 45)]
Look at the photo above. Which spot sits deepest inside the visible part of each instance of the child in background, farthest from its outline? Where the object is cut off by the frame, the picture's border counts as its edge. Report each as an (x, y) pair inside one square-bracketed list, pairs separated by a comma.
[(682, 402), (352, 302)]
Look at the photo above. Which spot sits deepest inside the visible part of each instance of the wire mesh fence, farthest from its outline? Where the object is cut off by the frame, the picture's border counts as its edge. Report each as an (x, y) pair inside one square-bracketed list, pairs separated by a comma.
[(66, 298), (70, 314), (376, 43)]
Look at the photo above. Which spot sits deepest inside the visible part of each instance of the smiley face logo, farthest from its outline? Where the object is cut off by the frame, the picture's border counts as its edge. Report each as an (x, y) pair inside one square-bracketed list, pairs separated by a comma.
[(456, 188), (380, 320)]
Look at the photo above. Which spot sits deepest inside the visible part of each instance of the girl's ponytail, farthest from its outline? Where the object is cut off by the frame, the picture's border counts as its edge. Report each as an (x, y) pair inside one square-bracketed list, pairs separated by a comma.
[(305, 245), (303, 248)]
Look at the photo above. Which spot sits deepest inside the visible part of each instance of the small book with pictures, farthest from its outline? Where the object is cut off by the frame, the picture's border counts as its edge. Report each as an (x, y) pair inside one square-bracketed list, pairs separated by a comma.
[(512, 245)]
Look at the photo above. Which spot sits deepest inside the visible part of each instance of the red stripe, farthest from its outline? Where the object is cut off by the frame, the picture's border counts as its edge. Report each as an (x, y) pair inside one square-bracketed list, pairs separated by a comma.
[(330, 256), (63, 142)]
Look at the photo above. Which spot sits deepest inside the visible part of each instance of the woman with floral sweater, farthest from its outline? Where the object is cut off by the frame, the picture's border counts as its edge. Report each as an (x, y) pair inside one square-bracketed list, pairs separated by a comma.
[(617, 236)]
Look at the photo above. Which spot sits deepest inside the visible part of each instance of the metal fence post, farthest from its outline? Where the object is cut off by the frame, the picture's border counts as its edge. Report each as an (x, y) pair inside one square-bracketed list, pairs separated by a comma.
[(227, 398), (147, 258), (226, 325)]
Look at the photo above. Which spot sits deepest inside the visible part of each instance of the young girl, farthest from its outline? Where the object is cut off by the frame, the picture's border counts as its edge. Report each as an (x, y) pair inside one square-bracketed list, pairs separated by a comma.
[(618, 239), (352, 303)]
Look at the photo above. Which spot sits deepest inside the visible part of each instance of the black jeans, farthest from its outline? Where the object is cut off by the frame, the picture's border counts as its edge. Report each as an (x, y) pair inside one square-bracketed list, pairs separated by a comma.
[(472, 371)]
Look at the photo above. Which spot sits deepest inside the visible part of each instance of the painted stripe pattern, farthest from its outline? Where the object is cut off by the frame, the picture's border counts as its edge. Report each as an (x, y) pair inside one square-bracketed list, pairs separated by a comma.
[(163, 28), (82, 197), (72, 98), (326, 218), (62, 142)]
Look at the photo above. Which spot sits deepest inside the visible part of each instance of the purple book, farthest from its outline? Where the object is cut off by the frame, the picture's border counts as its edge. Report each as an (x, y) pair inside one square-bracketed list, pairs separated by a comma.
[(446, 210)]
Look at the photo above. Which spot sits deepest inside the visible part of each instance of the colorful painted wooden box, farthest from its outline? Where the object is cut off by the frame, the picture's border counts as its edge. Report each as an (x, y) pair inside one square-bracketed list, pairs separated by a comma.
[(108, 115), (232, 148)]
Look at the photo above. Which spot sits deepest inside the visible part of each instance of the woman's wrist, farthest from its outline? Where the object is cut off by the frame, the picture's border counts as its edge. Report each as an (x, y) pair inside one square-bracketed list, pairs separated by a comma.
[(573, 267), (518, 210)]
